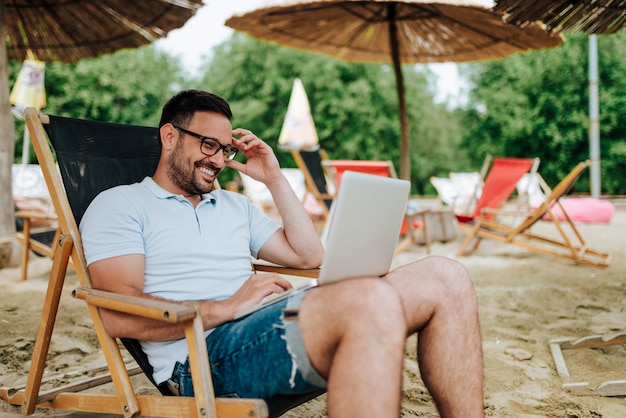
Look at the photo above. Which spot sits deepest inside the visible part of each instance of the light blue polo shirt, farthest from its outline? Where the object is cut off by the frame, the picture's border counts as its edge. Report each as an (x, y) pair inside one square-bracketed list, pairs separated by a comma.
[(201, 253)]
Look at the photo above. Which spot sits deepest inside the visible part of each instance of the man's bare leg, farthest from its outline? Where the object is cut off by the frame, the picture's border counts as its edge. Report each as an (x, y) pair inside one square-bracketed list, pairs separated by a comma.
[(354, 333), (440, 304)]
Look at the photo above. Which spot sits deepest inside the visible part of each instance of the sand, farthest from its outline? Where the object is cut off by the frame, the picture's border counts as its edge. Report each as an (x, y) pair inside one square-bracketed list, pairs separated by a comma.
[(525, 299)]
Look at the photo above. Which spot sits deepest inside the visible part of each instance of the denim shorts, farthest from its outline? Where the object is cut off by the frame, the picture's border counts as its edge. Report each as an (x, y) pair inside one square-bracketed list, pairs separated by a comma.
[(257, 356)]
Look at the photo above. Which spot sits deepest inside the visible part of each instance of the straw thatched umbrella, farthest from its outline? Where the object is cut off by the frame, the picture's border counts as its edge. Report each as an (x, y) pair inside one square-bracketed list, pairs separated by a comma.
[(68, 31), (408, 32), (592, 17)]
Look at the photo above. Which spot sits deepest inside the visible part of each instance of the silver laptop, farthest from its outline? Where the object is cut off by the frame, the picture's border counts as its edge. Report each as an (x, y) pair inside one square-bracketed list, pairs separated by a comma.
[(361, 232)]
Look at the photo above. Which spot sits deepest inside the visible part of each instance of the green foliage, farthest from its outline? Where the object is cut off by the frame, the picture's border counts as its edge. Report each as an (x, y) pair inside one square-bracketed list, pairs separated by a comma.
[(355, 106), (538, 105), (534, 104), (129, 86)]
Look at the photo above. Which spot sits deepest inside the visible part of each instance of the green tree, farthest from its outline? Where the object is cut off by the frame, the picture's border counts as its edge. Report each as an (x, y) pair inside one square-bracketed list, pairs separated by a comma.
[(537, 104), (354, 105), (128, 86)]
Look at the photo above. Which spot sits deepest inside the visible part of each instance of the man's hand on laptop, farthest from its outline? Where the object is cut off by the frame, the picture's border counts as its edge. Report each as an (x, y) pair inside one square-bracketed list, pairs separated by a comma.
[(258, 287)]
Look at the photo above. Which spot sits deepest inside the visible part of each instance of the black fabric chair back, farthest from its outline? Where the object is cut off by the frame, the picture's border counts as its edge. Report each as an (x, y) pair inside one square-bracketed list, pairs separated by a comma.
[(94, 156), (313, 161), (134, 348)]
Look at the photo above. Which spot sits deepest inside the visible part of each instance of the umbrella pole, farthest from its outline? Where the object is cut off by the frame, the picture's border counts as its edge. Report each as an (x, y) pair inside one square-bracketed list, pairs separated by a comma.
[(405, 143), (7, 144)]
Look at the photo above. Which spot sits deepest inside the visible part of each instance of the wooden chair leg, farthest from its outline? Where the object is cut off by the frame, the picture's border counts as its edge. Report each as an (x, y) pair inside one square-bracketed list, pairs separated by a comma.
[(472, 235), (25, 248), (55, 247), (46, 324), (404, 244), (423, 230), (606, 388), (126, 395), (201, 374)]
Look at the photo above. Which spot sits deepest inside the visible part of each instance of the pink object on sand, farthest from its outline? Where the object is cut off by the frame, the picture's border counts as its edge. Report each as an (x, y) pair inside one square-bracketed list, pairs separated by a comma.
[(584, 210)]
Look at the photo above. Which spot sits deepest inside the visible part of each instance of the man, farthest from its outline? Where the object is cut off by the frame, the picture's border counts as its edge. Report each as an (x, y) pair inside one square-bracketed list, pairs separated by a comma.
[(174, 237)]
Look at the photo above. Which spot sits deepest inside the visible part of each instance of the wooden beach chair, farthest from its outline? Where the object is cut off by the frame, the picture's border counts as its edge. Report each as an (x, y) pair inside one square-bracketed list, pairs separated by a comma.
[(606, 388), (33, 239), (92, 157), (310, 163), (500, 183), (462, 189), (35, 218), (260, 195), (570, 246)]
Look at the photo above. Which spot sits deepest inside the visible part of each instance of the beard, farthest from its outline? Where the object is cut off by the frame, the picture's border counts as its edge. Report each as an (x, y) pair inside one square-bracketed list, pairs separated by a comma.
[(184, 174)]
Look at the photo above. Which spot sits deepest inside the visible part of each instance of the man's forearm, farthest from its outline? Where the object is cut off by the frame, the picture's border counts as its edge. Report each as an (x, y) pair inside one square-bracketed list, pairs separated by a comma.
[(123, 325), (299, 229)]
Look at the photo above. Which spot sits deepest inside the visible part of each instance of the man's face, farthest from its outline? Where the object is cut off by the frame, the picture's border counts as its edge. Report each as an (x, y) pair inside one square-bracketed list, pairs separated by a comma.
[(189, 169)]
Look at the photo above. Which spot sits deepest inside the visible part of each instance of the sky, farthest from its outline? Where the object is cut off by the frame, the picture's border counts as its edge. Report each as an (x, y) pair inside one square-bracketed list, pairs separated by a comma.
[(207, 29)]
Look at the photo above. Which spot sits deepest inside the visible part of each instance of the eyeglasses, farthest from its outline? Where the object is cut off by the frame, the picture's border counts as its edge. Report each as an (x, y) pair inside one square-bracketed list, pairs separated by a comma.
[(210, 146)]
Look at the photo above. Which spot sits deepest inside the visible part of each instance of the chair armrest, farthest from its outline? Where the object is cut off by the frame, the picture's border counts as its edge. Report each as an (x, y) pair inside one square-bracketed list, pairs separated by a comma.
[(324, 196), (35, 215), (261, 265), (134, 305), (522, 211)]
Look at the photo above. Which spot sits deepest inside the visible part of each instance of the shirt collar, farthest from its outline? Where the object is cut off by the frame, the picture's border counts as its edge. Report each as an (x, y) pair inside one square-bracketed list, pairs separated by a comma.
[(161, 193)]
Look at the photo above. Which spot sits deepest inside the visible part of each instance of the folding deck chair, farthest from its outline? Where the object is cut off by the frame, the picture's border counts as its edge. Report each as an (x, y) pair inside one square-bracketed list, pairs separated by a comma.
[(500, 184), (461, 189), (310, 163), (42, 241), (260, 195), (37, 223), (606, 388), (570, 246), (532, 189), (94, 156), (414, 223)]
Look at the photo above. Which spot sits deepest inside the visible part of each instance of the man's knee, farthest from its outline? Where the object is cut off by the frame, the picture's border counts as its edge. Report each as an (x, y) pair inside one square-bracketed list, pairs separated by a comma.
[(433, 281), (359, 310), (366, 302), (376, 296), (446, 272)]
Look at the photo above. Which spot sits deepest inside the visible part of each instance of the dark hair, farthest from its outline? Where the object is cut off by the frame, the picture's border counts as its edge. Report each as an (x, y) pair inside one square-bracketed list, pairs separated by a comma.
[(179, 110)]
